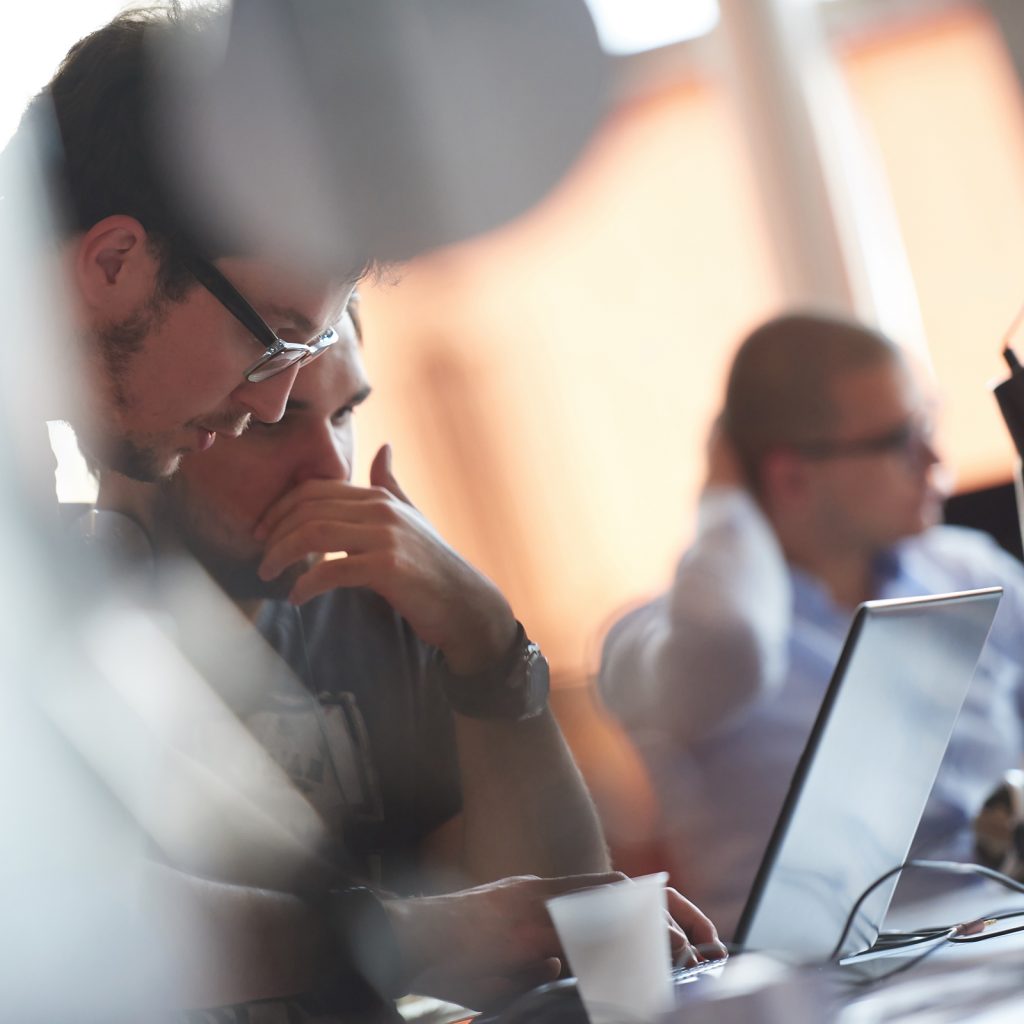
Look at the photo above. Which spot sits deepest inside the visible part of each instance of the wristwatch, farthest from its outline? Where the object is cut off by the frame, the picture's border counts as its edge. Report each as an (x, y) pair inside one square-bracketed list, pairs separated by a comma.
[(514, 689)]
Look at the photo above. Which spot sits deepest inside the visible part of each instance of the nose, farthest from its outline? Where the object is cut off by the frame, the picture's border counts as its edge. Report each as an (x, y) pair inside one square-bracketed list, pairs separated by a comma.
[(267, 399), (325, 455), (927, 464)]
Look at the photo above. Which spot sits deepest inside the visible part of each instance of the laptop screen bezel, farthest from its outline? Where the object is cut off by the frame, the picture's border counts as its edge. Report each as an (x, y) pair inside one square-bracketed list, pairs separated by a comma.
[(806, 761)]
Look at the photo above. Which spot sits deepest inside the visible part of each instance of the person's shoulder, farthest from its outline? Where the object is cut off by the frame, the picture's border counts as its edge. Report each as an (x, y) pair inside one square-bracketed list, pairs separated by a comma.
[(971, 554)]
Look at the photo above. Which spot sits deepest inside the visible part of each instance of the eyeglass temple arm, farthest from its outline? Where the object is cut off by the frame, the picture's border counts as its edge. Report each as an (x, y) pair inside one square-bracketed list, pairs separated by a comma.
[(226, 293)]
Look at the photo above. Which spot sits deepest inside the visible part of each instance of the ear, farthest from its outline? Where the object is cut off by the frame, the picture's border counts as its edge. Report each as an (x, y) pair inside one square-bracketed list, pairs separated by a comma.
[(113, 267)]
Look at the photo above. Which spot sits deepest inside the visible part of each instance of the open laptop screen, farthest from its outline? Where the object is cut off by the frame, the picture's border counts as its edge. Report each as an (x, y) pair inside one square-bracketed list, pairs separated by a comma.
[(862, 783)]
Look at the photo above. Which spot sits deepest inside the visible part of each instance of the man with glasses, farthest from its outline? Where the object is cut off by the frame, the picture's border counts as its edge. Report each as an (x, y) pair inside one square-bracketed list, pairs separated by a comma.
[(181, 338), (429, 768), (822, 492)]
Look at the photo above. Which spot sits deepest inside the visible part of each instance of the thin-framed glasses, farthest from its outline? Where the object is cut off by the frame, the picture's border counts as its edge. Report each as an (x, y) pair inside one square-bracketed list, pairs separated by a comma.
[(280, 354), (908, 439)]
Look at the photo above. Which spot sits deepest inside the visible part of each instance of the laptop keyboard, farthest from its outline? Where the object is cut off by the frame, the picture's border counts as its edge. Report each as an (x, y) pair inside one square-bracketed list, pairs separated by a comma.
[(684, 975)]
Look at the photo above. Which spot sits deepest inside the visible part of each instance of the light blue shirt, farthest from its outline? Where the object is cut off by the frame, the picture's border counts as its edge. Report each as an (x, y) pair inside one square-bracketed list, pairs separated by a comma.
[(720, 680)]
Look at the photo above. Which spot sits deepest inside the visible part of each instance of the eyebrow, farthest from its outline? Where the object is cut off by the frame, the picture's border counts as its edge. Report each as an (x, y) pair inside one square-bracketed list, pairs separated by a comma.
[(299, 320), (357, 398)]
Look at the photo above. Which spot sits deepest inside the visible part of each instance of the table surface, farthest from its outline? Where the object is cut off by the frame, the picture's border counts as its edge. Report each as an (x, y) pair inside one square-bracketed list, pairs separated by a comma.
[(980, 983)]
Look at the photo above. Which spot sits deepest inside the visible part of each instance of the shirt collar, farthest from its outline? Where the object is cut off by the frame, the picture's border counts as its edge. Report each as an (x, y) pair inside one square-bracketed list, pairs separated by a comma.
[(812, 598)]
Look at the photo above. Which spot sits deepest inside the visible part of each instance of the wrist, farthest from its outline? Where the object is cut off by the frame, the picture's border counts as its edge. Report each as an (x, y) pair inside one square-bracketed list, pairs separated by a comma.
[(513, 688), (406, 927), (481, 646)]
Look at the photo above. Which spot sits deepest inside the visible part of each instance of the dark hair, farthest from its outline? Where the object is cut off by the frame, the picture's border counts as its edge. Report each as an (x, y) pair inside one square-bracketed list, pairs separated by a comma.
[(357, 319), (779, 387), (102, 98)]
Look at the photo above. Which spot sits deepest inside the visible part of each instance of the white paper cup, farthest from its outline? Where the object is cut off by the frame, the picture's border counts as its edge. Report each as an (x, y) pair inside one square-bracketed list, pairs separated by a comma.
[(617, 943)]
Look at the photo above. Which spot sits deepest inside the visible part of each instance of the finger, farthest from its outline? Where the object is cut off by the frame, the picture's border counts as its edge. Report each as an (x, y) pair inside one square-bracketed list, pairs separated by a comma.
[(686, 956), (683, 952), (318, 538), (309, 490), (382, 475), (327, 575), (332, 540), (697, 925), (385, 510)]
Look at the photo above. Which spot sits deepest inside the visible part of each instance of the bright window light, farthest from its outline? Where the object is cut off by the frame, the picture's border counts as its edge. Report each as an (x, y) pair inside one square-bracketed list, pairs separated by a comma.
[(630, 26), (36, 37)]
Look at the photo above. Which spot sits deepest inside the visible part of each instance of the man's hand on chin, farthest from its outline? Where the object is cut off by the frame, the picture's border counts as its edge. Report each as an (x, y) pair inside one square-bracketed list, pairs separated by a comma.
[(375, 537)]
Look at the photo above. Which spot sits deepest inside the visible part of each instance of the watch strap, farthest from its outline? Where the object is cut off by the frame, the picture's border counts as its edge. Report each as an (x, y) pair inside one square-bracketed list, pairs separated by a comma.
[(513, 689)]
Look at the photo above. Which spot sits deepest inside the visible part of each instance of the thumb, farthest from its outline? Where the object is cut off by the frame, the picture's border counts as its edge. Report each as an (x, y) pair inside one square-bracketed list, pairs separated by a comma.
[(381, 475)]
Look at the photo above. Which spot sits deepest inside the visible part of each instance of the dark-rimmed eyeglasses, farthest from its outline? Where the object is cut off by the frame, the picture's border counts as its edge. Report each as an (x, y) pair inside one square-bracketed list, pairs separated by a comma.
[(280, 354), (909, 439)]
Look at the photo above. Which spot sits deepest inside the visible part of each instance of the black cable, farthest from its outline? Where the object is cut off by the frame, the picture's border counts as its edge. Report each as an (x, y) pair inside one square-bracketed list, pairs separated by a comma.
[(906, 966), (876, 978), (896, 940), (924, 935), (835, 954)]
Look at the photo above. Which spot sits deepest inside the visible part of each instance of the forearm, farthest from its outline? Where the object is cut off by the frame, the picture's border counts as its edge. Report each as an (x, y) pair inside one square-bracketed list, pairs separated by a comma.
[(225, 944), (526, 808), (688, 661)]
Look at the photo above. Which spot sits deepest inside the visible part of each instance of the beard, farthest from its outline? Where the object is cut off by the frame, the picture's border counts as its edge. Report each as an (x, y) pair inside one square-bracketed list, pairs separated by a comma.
[(216, 547), (239, 577), (119, 344), (147, 457), (137, 461)]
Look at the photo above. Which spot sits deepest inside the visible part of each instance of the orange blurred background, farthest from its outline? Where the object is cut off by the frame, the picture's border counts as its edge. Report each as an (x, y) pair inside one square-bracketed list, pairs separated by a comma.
[(548, 388)]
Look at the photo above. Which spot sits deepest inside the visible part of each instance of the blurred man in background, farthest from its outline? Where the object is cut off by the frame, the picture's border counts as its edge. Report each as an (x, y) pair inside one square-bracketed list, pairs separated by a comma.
[(821, 494)]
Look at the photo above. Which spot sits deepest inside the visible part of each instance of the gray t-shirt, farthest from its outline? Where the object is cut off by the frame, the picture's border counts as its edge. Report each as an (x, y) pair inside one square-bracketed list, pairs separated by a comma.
[(375, 754)]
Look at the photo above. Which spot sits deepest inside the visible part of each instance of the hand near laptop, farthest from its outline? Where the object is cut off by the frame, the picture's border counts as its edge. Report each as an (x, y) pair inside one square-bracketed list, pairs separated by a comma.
[(481, 947), (694, 938)]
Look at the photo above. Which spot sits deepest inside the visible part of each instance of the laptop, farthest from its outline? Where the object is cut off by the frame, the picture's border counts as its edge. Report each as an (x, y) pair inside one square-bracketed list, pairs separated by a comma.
[(865, 775), (857, 794)]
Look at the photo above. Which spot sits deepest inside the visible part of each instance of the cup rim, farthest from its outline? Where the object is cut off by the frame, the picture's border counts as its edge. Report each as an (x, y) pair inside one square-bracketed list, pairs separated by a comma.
[(656, 878)]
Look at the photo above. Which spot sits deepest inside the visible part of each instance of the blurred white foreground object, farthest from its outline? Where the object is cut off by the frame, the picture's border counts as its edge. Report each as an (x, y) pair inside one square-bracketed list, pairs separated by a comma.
[(616, 939), (754, 989), (348, 130)]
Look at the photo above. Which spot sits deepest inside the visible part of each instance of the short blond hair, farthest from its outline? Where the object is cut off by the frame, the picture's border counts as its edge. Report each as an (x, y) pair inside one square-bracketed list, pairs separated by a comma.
[(779, 386)]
